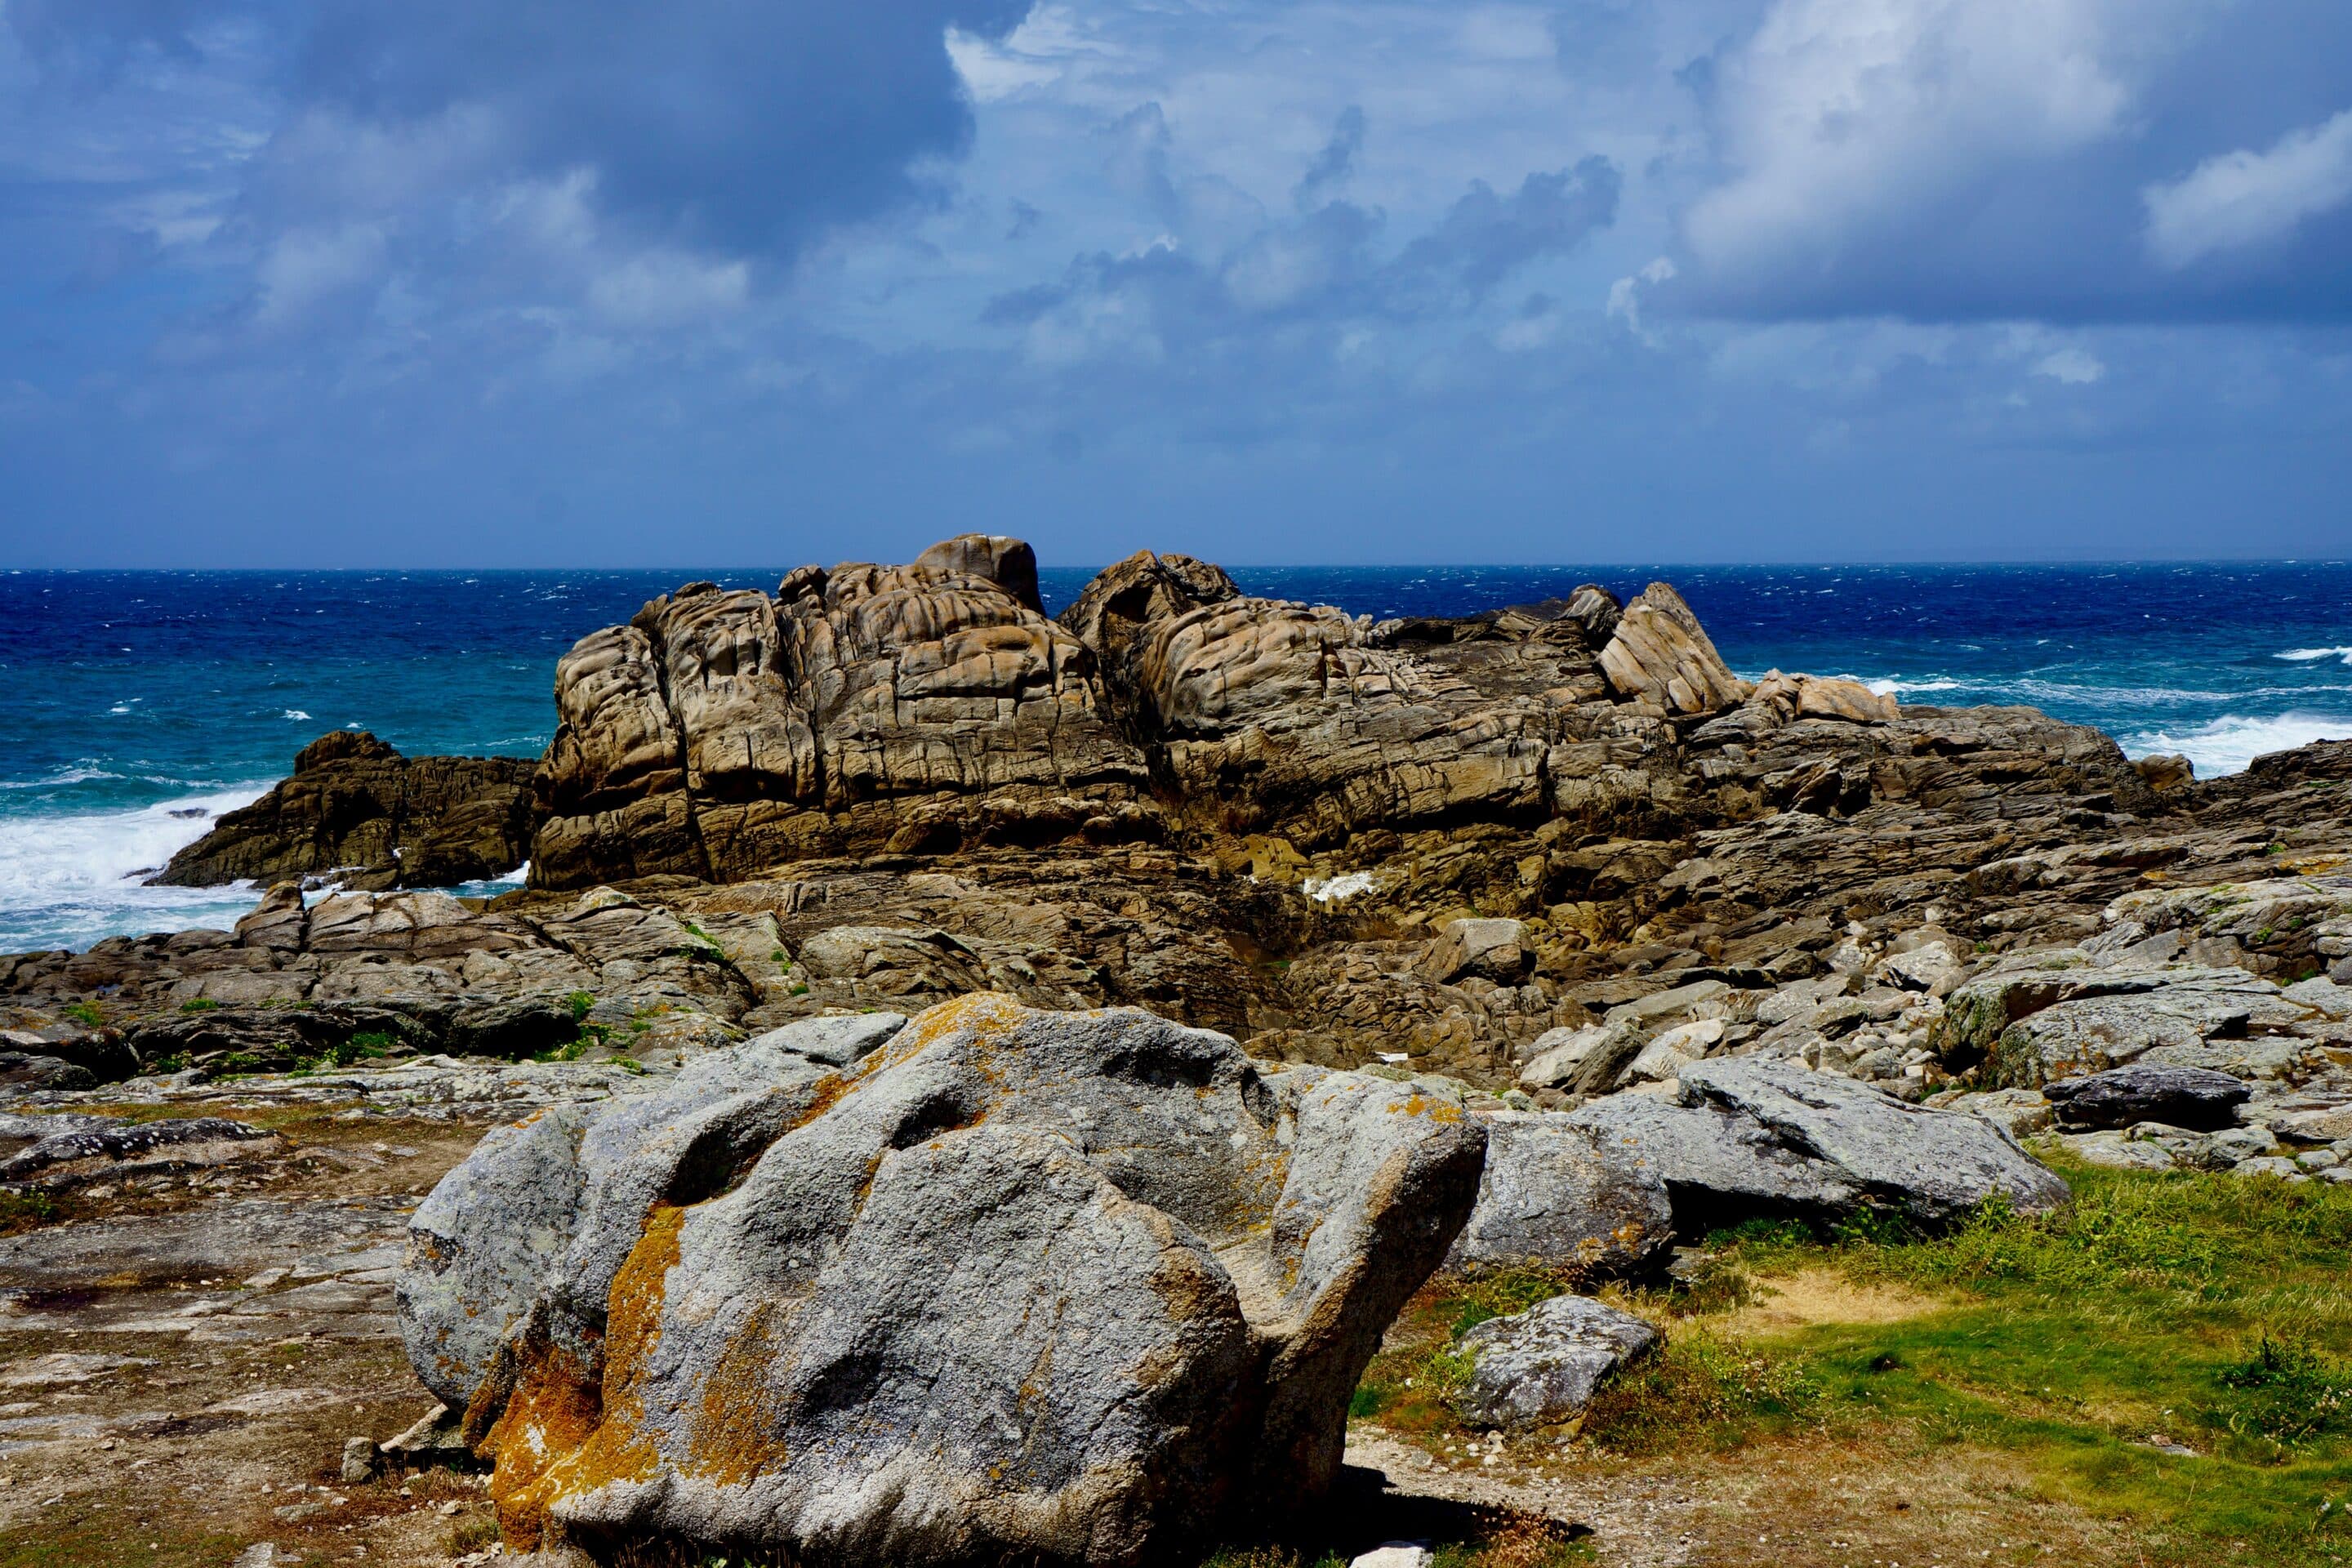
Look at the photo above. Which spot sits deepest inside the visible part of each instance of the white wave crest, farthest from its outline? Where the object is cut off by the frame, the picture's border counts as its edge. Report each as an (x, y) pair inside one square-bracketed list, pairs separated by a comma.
[(2311, 655), (2229, 744), (1892, 686), (67, 881), (294, 713)]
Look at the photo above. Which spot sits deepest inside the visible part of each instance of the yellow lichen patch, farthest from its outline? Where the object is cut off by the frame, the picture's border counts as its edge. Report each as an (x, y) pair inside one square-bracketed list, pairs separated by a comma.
[(554, 1409), (733, 1436), (562, 1435), (980, 1014)]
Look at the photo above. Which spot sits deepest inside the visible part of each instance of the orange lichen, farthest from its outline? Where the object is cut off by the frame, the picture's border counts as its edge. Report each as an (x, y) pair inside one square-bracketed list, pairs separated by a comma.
[(733, 1438), (563, 1435)]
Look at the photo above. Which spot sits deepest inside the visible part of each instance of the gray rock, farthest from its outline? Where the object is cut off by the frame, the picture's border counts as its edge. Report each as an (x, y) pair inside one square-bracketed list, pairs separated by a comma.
[(1589, 1060), (2239, 1144), (1542, 1366), (834, 1042), (2094, 1034), (125, 1150), (2119, 1152), (1558, 1196), (1019, 1285), (2181, 1097), (1746, 1137), (361, 1457), (2020, 1112), (1487, 947)]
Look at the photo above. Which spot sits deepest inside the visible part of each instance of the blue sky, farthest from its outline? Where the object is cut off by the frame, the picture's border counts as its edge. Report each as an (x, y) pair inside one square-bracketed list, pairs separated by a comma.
[(330, 282)]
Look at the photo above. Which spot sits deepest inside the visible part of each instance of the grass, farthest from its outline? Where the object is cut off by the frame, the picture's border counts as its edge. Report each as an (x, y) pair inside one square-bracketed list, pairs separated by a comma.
[(2172, 1354)]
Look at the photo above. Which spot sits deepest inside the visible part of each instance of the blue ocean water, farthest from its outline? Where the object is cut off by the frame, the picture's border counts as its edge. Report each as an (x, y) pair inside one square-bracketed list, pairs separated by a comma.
[(134, 705)]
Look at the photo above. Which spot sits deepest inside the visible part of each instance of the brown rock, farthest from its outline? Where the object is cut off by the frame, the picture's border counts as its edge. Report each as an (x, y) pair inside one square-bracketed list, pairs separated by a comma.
[(357, 806), (1661, 655)]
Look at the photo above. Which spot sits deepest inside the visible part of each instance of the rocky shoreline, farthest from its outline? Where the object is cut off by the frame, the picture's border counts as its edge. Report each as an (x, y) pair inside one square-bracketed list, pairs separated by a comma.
[(1539, 934)]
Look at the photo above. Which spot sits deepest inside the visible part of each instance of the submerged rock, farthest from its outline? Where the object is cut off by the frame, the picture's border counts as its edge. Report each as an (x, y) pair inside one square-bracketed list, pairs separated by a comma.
[(1017, 1285)]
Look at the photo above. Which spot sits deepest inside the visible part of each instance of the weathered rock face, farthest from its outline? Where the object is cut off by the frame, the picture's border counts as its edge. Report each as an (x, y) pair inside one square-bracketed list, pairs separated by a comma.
[(1016, 1285), (357, 807), (1748, 1138), (1565, 1199), (2195, 1097), (1660, 655), (907, 708)]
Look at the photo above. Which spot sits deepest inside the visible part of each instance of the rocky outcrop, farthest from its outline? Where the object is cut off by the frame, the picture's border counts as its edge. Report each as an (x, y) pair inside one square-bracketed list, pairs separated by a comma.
[(2194, 1098), (867, 708), (356, 810), (720, 1314), (1660, 655)]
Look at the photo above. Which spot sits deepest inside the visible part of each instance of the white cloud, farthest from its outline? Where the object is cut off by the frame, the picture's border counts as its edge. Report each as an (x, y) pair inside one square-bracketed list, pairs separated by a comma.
[(2075, 367), (2246, 198), (305, 266), (1626, 294), (659, 288), (1840, 116)]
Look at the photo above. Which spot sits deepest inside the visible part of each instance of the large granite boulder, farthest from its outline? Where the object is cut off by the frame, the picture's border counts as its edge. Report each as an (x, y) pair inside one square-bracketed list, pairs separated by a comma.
[(1746, 1138), (1659, 654), (2195, 1097), (1024, 1286), (357, 807)]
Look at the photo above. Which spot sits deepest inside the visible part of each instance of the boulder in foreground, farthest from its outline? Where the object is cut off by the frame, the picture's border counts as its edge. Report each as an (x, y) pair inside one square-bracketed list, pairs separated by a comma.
[(1016, 1285)]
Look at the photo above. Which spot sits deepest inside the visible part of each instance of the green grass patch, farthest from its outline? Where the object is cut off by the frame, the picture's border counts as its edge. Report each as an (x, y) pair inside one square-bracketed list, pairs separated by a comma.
[(2161, 1313)]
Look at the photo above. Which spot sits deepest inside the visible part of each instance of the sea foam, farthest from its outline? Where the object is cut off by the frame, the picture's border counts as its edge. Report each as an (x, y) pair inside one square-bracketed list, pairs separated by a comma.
[(71, 879), (2229, 744)]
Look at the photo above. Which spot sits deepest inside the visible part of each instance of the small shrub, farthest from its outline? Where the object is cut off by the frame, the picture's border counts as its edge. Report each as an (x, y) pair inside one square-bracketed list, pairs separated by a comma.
[(1698, 1386), (361, 1047), (581, 1004), (2285, 1391), (199, 1005), (86, 1012), (471, 1535)]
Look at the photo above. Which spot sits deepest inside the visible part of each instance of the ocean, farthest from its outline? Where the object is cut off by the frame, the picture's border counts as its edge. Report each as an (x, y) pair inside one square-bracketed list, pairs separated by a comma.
[(134, 705)]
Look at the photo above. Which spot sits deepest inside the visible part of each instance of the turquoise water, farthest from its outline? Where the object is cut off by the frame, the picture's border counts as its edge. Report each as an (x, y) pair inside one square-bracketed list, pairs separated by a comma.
[(135, 705)]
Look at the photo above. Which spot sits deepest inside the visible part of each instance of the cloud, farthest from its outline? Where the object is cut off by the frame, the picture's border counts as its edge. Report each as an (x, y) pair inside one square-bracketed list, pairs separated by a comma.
[(1989, 160), (2242, 200), (1485, 236), (748, 130), (1332, 165), (1322, 266), (2070, 366)]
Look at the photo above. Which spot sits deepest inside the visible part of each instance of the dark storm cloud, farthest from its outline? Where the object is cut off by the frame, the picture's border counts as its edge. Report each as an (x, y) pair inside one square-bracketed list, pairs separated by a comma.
[(741, 128)]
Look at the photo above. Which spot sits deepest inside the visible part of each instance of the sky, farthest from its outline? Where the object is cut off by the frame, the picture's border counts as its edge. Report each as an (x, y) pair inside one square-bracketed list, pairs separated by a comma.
[(607, 282)]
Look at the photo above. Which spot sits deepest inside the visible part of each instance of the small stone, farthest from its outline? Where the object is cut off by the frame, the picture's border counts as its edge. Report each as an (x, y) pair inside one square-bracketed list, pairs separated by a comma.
[(1395, 1554), (361, 1456), (295, 1512), (260, 1554), (452, 1509)]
